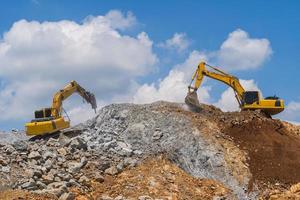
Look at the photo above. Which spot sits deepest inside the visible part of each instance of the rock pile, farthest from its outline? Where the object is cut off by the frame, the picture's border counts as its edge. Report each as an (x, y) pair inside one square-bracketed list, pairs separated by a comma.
[(122, 136)]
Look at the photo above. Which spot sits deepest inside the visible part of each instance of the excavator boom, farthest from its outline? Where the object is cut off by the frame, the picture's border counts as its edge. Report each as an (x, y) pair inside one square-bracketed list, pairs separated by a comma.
[(50, 120), (248, 100)]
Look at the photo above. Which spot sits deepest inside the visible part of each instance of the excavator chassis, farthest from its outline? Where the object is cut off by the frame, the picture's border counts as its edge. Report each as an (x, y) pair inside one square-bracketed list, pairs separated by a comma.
[(46, 127)]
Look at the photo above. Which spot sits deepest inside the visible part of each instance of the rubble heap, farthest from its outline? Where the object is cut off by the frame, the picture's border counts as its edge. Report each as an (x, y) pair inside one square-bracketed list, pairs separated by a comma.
[(227, 152)]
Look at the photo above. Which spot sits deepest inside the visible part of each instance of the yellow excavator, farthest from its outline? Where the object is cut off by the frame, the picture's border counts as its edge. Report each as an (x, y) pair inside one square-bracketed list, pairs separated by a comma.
[(248, 100), (50, 120)]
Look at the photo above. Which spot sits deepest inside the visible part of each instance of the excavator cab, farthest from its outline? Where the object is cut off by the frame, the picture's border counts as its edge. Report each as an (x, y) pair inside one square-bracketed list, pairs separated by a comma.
[(42, 115), (250, 97)]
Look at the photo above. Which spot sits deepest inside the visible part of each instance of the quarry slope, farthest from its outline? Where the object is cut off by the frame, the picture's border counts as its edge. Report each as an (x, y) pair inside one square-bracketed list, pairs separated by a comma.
[(158, 151)]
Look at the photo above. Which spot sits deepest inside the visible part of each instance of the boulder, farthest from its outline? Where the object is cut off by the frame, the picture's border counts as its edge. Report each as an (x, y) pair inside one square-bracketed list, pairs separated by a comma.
[(111, 171), (20, 146), (34, 155)]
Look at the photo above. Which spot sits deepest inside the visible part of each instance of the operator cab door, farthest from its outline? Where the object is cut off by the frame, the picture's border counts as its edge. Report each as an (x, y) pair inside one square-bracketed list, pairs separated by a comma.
[(250, 97)]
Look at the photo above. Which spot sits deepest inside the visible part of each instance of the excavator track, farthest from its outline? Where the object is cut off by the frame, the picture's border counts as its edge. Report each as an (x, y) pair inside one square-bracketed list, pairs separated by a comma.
[(69, 132)]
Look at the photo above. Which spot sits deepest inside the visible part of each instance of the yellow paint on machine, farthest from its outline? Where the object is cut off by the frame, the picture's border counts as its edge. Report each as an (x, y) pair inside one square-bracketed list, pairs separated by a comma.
[(46, 127), (50, 120), (267, 106), (248, 100)]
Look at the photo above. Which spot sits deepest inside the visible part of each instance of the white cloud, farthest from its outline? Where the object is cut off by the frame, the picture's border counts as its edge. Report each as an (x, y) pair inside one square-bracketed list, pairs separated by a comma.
[(228, 102), (189, 66), (291, 112), (117, 20), (240, 52), (38, 58), (178, 42), (237, 52), (82, 112), (174, 86)]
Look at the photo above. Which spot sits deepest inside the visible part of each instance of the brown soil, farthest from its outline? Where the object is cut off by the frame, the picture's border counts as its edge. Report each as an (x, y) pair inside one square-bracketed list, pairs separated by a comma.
[(24, 195), (157, 178), (293, 193), (273, 152), (268, 148)]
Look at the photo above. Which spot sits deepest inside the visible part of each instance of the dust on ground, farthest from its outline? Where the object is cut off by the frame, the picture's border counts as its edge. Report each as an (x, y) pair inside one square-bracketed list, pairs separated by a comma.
[(268, 148), (157, 178), (273, 151), (24, 195)]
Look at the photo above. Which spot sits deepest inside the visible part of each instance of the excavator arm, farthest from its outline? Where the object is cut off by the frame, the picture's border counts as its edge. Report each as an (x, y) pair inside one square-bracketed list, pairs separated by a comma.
[(219, 75), (67, 91), (50, 120)]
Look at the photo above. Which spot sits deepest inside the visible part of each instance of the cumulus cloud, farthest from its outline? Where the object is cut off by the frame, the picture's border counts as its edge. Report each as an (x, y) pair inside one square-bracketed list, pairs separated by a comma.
[(38, 58), (174, 86), (291, 112), (178, 42), (240, 52), (228, 101)]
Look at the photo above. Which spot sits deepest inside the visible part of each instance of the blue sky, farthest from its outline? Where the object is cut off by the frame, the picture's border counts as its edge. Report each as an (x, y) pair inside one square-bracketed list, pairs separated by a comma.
[(205, 26)]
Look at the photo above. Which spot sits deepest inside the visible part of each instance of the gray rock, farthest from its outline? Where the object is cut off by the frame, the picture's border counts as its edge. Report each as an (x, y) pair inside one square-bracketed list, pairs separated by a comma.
[(78, 143), (120, 197), (62, 151), (9, 149), (3, 161), (57, 185), (48, 164), (111, 171), (52, 142), (130, 162), (83, 179), (145, 197), (28, 173), (120, 166), (65, 177), (29, 185), (63, 140), (5, 169), (99, 178), (48, 154), (103, 165), (72, 182), (49, 178), (67, 196), (37, 173), (34, 155), (157, 134), (21, 145), (74, 167), (41, 185), (105, 197)]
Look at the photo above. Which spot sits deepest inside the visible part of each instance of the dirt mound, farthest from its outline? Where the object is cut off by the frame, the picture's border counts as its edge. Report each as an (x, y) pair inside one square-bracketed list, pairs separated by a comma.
[(22, 195), (293, 193), (158, 178), (273, 152), (245, 152)]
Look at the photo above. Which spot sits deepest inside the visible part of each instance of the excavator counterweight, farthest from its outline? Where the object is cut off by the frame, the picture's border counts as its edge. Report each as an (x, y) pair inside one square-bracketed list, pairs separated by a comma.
[(247, 100), (50, 120)]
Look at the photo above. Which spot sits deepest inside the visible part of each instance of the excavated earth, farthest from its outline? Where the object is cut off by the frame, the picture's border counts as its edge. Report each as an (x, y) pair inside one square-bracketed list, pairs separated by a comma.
[(157, 151)]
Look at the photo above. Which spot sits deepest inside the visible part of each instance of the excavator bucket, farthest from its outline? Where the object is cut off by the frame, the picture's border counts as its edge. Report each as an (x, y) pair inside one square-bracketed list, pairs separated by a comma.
[(192, 101), (90, 98)]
